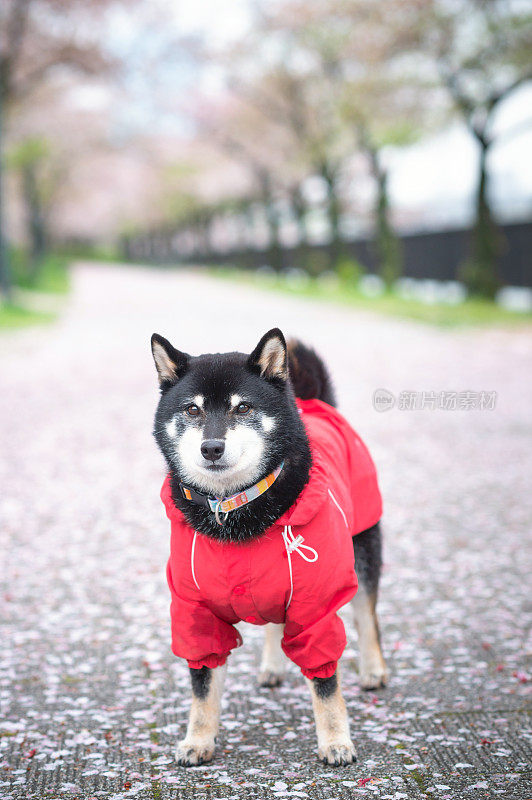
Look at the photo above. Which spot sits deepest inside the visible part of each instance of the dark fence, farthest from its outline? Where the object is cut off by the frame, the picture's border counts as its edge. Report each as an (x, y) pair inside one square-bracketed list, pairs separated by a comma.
[(437, 254)]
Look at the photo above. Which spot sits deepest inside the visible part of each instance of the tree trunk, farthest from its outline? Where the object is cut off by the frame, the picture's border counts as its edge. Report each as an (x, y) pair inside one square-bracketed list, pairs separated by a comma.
[(387, 244), (35, 216), (5, 271), (336, 247), (299, 209), (275, 252), (481, 273)]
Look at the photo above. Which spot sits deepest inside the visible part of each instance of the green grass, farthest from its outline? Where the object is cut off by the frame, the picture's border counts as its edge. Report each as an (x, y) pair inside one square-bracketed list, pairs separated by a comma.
[(13, 316), (52, 275), (98, 252), (471, 312), (52, 278)]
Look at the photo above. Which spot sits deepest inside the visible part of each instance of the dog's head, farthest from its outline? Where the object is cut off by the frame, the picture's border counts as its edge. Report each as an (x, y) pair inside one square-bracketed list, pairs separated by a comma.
[(220, 419)]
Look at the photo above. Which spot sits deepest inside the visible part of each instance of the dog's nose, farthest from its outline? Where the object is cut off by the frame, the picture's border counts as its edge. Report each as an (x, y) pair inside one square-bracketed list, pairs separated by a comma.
[(212, 449)]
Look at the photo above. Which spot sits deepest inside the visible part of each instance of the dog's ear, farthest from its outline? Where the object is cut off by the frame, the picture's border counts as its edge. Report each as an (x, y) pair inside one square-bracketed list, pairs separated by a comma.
[(269, 358), (170, 363)]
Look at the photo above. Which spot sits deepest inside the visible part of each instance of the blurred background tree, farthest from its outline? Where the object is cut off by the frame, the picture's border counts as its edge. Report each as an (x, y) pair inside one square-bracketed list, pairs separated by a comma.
[(483, 53), (275, 141), (37, 37), (30, 159), (374, 92)]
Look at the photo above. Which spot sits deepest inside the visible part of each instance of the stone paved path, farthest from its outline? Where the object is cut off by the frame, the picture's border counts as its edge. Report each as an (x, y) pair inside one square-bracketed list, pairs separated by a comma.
[(92, 700)]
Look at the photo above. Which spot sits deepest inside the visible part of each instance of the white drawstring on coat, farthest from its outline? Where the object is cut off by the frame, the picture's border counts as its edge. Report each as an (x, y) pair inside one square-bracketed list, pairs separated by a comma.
[(339, 507), (192, 558), (295, 544)]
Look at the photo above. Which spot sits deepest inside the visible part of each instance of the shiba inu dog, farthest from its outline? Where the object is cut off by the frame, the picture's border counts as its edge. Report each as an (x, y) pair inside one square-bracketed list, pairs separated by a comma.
[(272, 499)]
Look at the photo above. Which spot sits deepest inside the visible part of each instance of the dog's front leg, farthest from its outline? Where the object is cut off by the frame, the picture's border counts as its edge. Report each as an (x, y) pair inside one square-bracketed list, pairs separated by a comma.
[(332, 725), (273, 662), (198, 745)]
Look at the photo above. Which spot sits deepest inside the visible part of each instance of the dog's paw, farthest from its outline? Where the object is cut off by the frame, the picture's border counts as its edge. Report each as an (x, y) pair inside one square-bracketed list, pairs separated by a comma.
[(268, 677), (338, 754), (191, 754), (373, 676)]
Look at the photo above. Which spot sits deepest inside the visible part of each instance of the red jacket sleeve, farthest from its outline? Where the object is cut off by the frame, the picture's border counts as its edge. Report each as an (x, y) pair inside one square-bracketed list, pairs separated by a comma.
[(316, 645), (314, 635), (199, 636)]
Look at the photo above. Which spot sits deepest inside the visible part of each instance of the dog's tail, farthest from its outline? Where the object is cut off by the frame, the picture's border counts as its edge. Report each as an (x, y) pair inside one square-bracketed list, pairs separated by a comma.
[(309, 374)]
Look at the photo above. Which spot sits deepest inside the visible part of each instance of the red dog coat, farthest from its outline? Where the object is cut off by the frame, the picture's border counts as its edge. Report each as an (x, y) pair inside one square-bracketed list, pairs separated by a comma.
[(280, 577)]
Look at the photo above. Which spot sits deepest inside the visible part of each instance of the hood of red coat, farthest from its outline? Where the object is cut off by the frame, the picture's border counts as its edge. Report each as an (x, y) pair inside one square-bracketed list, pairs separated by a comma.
[(311, 498)]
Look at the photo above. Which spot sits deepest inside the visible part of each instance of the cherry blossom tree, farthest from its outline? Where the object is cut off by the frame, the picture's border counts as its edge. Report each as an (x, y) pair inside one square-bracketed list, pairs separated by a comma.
[(37, 37), (482, 52)]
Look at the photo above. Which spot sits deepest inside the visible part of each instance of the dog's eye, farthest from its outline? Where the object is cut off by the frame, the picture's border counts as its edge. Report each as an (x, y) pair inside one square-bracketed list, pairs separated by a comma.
[(192, 410), (243, 408)]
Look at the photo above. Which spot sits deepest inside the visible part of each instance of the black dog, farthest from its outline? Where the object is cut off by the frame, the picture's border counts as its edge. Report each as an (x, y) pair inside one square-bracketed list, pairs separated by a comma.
[(228, 423)]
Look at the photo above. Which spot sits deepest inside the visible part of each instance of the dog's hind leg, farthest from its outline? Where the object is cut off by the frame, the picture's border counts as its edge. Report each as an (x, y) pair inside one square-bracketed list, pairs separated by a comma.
[(368, 561), (273, 662), (198, 745), (332, 724)]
